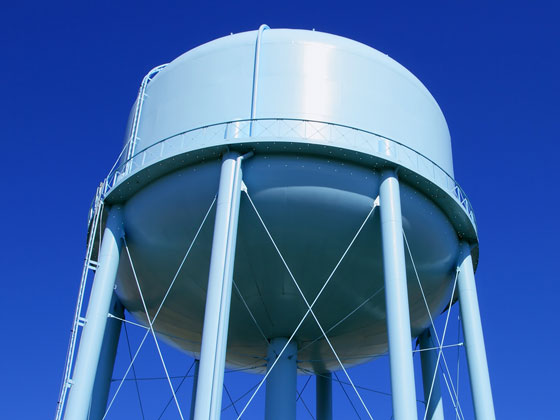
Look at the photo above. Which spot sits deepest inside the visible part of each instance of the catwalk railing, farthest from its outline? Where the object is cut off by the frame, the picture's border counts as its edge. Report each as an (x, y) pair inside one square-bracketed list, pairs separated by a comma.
[(290, 130)]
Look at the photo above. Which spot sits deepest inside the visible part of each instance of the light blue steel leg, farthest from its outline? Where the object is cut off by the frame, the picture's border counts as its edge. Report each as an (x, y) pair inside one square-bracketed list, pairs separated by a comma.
[(396, 298), (474, 340), (91, 341), (434, 410), (195, 382), (104, 374), (323, 388), (218, 298), (281, 384)]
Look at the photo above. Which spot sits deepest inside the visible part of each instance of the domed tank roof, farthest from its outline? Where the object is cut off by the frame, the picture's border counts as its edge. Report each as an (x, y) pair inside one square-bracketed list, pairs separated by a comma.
[(302, 75)]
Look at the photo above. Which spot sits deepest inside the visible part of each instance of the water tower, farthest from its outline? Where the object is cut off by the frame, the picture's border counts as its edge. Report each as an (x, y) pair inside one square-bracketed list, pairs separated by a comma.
[(286, 196)]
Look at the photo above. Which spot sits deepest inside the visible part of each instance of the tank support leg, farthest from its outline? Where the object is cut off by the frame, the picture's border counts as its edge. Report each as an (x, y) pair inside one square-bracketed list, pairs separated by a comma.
[(218, 298), (195, 380), (396, 298), (89, 352), (104, 374), (434, 410), (281, 384), (323, 385), (474, 340)]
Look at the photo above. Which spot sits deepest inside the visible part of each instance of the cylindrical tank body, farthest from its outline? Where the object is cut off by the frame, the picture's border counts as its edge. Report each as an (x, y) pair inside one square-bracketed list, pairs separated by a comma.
[(324, 115)]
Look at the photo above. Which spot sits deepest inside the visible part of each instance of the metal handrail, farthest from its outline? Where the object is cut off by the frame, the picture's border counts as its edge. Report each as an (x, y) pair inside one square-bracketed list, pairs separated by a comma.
[(119, 173)]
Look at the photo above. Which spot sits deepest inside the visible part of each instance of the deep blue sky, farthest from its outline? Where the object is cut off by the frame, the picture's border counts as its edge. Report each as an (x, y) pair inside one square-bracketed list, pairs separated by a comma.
[(70, 73)]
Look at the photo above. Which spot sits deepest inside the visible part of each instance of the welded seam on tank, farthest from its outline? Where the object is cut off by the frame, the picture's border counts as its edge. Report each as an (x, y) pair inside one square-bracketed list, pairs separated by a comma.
[(440, 344), (150, 323), (309, 310), (160, 306)]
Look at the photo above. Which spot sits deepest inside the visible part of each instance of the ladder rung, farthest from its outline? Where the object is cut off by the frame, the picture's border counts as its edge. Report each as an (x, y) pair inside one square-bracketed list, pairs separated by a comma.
[(92, 265)]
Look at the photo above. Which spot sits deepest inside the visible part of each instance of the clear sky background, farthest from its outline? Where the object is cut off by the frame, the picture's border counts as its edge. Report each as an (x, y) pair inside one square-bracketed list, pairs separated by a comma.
[(70, 73)]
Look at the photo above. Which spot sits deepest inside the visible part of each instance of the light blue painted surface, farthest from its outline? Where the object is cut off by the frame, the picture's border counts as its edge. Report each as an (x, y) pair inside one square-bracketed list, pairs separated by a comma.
[(216, 317), (303, 75), (281, 384), (316, 101), (323, 392), (299, 165), (396, 296), (89, 351), (474, 340), (434, 409)]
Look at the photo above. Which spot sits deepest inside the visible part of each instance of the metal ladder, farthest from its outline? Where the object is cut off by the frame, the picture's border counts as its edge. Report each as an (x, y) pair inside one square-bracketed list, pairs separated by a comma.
[(79, 321)]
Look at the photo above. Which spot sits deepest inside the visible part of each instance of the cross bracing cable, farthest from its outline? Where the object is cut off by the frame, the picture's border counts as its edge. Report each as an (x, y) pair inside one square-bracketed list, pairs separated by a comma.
[(387, 394), (163, 378), (458, 354), (231, 400), (438, 347), (134, 372), (309, 306), (347, 396), (440, 353), (440, 344), (151, 324), (303, 389), (127, 321), (344, 318), (250, 312), (300, 397), (161, 304), (242, 396), (185, 376)]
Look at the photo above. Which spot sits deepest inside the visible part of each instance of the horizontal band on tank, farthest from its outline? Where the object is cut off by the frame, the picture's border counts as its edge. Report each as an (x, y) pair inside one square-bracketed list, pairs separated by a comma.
[(299, 136)]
